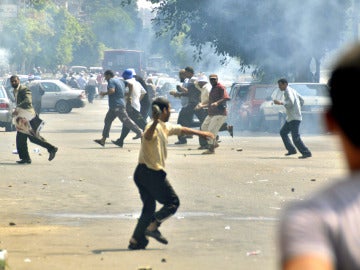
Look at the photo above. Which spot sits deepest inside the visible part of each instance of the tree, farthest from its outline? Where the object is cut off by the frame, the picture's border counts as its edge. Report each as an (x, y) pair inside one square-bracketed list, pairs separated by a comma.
[(280, 38), (114, 25)]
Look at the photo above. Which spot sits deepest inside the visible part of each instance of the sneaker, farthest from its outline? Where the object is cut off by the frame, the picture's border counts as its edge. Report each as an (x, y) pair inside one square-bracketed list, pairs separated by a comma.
[(290, 153), (24, 161), (118, 143), (139, 245), (157, 235), (52, 153), (100, 142), (202, 147), (231, 130), (181, 142), (307, 155)]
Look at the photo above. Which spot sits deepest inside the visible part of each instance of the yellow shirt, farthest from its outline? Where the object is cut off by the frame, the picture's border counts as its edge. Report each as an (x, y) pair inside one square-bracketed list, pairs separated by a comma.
[(153, 152)]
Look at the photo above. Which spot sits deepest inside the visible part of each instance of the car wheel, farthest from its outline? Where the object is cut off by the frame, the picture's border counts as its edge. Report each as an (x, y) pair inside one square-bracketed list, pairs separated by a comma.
[(63, 107), (9, 127)]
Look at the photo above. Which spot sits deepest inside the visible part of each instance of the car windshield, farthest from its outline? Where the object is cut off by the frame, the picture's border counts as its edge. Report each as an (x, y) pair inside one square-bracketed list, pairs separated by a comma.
[(263, 92), (312, 89)]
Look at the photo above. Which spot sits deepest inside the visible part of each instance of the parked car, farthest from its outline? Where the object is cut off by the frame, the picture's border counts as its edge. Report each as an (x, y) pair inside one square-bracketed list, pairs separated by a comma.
[(7, 105), (244, 104), (316, 99), (60, 97), (78, 69), (96, 70)]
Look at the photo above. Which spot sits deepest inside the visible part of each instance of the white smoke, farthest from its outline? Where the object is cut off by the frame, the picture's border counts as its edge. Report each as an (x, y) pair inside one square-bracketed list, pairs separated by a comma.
[(4, 60)]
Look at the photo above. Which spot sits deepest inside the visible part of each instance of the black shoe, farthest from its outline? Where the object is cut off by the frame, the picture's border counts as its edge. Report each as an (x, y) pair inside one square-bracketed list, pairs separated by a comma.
[(137, 137), (24, 161), (157, 235), (100, 142), (52, 153), (290, 153), (181, 142), (139, 245), (118, 143), (307, 155), (231, 130), (202, 147)]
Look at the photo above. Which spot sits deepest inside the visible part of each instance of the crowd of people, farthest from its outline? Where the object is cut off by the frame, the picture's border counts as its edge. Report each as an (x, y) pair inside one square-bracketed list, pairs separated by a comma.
[(317, 233)]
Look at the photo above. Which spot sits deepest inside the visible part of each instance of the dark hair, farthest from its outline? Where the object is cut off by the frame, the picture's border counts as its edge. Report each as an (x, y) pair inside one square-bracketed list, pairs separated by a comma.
[(190, 70), (162, 103), (14, 77), (345, 94), (283, 81), (109, 72)]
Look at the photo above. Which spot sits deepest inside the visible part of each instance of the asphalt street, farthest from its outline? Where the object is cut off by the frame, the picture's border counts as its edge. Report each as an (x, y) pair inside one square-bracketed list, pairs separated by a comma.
[(79, 210)]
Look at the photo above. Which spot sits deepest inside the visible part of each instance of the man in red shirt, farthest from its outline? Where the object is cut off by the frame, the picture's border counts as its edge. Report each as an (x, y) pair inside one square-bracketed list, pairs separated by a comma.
[(217, 113)]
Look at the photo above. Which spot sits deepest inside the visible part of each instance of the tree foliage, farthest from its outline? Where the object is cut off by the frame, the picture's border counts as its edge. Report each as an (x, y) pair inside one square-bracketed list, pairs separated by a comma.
[(47, 35), (279, 37)]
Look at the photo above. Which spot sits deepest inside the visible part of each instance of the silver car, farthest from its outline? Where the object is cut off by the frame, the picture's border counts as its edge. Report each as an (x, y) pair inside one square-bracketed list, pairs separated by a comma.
[(316, 99), (7, 106), (59, 96)]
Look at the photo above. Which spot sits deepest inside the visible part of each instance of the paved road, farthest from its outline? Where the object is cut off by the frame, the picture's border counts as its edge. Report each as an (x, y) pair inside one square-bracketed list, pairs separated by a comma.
[(78, 211)]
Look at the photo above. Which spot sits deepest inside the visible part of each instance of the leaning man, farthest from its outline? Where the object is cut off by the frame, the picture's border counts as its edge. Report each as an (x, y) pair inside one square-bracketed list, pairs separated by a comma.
[(23, 99)]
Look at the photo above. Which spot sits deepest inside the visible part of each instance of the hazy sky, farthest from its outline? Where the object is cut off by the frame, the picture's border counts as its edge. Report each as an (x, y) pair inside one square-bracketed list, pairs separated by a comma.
[(143, 4)]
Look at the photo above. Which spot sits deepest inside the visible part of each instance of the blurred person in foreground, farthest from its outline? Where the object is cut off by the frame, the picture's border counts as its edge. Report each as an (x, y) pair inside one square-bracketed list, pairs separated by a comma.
[(150, 176), (322, 232), (292, 103), (116, 93), (23, 99)]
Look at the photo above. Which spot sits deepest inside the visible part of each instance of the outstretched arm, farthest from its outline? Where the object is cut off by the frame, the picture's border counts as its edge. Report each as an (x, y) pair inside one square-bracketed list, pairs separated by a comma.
[(200, 133)]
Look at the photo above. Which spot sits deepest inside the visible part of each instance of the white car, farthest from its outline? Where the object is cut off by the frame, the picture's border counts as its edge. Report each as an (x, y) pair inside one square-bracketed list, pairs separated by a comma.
[(7, 105), (59, 96), (316, 99)]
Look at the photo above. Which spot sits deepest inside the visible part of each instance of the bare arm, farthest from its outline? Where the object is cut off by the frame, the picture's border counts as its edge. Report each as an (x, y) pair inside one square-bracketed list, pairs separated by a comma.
[(309, 262), (110, 91), (149, 133), (217, 103), (200, 133)]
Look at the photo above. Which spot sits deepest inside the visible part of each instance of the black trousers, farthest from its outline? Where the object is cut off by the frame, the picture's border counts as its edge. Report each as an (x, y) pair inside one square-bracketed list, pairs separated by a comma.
[(136, 117), (186, 117), (293, 128), (22, 147), (153, 186)]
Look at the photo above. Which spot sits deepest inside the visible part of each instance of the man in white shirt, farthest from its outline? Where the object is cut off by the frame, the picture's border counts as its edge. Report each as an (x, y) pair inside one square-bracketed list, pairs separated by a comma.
[(292, 103), (133, 106)]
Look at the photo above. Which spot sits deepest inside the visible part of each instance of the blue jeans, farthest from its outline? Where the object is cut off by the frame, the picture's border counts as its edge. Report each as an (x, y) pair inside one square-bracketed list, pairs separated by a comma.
[(293, 127)]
